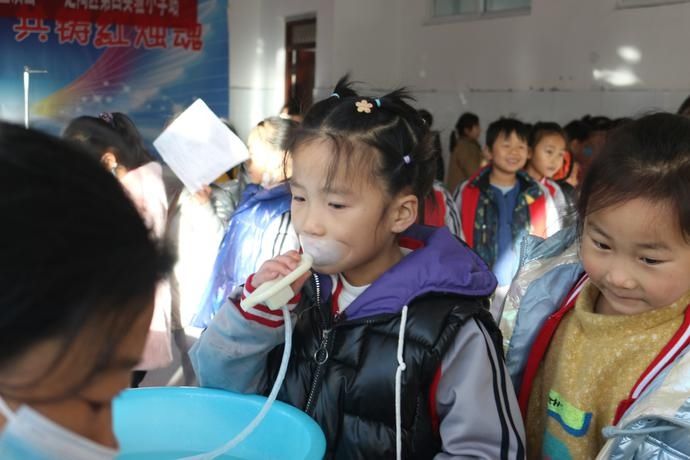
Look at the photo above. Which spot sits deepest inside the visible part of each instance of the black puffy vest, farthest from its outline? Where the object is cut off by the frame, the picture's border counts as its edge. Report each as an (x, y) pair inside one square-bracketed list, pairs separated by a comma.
[(342, 373)]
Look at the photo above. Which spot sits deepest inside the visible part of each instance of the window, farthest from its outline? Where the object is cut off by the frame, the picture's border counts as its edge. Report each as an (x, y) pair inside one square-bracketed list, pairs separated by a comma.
[(506, 5), (637, 3), (451, 8), (445, 8)]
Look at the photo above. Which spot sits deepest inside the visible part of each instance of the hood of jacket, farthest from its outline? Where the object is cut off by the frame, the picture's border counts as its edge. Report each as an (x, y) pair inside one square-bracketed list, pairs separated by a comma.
[(439, 263)]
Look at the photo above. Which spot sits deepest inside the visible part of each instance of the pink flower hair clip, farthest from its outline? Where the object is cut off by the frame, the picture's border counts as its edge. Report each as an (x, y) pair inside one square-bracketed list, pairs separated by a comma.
[(364, 106)]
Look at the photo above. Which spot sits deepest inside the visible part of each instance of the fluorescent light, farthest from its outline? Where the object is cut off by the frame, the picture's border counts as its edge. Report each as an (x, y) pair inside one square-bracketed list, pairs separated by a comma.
[(630, 54), (620, 77)]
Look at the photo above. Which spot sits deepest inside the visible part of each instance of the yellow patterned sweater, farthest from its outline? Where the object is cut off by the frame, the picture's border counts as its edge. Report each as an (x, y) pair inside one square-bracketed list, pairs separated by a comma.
[(591, 365)]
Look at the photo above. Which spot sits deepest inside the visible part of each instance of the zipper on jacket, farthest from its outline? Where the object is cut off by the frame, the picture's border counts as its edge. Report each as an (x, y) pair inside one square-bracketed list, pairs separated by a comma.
[(321, 353)]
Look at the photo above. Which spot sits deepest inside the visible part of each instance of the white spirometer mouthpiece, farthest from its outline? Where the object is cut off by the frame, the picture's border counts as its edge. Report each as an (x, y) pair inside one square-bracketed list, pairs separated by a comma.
[(324, 251)]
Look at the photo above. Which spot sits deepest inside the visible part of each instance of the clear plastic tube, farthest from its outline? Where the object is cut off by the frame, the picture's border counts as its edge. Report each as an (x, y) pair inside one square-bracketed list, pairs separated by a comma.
[(267, 405)]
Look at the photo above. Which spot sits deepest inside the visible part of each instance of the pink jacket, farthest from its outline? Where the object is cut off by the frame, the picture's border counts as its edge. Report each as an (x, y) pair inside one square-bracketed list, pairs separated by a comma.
[(145, 187)]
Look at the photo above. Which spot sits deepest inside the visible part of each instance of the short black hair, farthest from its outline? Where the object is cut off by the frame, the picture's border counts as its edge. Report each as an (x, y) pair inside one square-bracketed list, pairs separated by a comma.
[(598, 122), (618, 122), (577, 130), (74, 251), (646, 158), (545, 128), (506, 126)]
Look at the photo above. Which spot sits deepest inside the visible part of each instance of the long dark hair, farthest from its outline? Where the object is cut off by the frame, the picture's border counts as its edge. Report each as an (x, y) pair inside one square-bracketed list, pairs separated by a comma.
[(76, 256)]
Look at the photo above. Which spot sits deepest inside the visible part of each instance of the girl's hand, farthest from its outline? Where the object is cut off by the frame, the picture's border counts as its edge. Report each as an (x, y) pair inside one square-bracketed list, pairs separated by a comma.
[(279, 267)]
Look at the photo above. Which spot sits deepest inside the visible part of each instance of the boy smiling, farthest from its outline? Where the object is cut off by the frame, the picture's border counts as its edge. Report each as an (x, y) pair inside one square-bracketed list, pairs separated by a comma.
[(501, 204)]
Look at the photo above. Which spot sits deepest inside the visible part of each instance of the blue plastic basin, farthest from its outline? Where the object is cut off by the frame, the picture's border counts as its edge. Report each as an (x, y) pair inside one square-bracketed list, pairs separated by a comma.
[(174, 422)]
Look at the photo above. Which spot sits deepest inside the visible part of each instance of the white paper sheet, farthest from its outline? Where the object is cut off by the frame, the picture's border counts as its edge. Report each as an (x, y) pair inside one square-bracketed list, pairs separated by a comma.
[(198, 147)]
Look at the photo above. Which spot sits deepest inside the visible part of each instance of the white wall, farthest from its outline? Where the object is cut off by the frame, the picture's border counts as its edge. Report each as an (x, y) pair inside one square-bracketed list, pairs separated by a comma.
[(257, 54), (537, 66)]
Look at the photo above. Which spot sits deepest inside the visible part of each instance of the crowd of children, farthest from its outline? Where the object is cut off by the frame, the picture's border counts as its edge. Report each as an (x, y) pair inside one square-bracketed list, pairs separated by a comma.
[(535, 305)]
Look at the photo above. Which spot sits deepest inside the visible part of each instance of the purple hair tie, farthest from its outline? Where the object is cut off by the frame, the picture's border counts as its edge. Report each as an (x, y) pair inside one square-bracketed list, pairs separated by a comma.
[(107, 117)]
